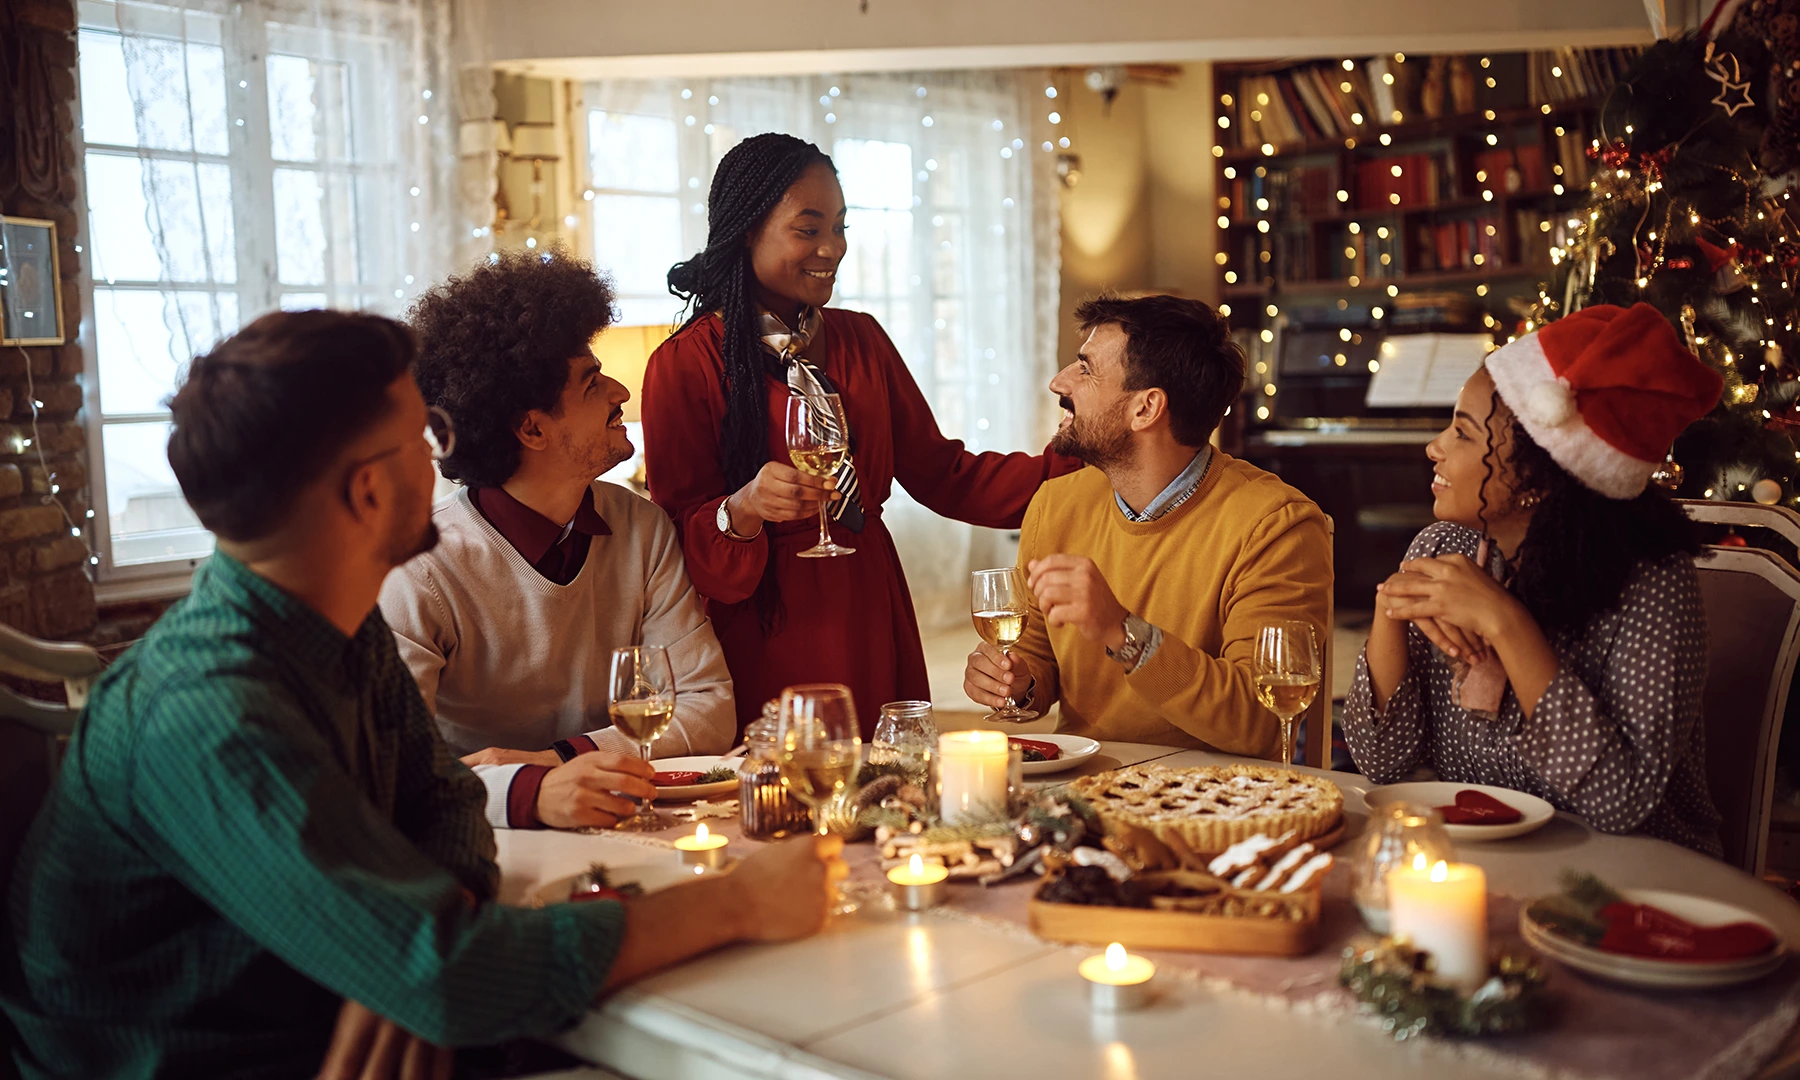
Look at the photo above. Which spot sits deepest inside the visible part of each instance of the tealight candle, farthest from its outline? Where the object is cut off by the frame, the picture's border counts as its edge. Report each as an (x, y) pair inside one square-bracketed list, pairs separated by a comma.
[(971, 773), (1442, 910), (704, 849), (1117, 980), (919, 884)]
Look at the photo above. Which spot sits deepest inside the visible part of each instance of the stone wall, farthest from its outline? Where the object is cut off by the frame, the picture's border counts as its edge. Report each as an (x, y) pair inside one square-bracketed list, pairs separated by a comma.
[(46, 585)]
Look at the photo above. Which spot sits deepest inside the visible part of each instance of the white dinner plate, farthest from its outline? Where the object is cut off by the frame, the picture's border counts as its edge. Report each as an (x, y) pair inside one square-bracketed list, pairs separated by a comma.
[(1647, 973), (652, 876), (699, 765), (1075, 750), (1437, 793)]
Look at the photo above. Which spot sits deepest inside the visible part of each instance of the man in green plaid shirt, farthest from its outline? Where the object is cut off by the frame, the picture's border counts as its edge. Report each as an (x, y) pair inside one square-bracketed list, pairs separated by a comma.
[(257, 825)]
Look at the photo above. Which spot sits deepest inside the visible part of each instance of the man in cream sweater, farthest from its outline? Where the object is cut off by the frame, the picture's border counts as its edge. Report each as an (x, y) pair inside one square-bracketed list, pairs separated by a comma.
[(508, 625), (1152, 571)]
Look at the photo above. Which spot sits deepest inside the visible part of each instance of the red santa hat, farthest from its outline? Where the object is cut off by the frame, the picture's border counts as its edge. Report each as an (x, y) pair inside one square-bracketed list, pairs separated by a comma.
[(1605, 390)]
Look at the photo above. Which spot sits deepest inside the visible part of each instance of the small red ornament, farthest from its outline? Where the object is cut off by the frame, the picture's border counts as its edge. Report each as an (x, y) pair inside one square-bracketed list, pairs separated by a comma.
[(1732, 539)]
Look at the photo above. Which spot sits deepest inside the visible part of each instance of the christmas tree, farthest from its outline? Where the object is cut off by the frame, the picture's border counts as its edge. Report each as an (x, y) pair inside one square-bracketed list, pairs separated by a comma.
[(1690, 209)]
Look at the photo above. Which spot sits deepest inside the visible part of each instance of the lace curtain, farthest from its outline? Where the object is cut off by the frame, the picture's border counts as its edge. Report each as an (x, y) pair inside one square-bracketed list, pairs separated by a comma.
[(248, 155), (953, 244)]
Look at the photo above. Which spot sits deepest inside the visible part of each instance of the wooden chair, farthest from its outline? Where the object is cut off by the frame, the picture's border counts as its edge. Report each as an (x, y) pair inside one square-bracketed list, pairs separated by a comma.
[(31, 730), (1317, 718), (1752, 601)]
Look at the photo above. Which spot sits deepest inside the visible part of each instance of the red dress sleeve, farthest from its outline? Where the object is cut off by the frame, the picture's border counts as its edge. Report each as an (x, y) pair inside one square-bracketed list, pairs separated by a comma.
[(988, 489), (683, 413)]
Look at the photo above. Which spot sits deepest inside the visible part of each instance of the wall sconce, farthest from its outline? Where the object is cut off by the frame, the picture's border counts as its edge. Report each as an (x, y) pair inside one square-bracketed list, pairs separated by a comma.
[(535, 143)]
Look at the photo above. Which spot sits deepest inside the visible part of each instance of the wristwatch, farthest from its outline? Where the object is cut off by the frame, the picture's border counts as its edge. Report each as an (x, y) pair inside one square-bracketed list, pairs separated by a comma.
[(724, 519), (1137, 636)]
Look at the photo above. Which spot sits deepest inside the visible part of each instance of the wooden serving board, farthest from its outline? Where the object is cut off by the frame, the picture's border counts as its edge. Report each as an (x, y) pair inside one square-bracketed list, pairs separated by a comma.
[(1147, 928)]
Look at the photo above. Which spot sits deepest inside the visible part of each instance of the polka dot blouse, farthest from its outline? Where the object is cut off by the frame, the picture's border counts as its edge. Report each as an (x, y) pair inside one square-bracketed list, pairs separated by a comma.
[(1616, 738)]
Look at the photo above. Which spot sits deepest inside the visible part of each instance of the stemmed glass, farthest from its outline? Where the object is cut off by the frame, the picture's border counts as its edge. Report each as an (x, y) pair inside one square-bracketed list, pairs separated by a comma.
[(998, 599), (1286, 667), (817, 443), (642, 705), (820, 746)]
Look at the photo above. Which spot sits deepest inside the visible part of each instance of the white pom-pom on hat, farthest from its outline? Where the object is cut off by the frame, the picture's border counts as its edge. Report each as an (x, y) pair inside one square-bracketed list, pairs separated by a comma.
[(1551, 403)]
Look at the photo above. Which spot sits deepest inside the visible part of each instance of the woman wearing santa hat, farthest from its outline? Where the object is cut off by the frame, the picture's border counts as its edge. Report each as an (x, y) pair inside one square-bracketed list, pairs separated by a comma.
[(1546, 633)]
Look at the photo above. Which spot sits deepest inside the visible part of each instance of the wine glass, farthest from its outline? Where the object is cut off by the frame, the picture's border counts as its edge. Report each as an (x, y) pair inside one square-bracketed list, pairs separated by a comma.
[(1286, 667), (817, 443), (820, 748), (642, 705), (998, 600)]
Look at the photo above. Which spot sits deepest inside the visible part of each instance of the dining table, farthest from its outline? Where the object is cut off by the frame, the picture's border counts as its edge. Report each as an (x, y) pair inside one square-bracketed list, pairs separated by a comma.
[(946, 993)]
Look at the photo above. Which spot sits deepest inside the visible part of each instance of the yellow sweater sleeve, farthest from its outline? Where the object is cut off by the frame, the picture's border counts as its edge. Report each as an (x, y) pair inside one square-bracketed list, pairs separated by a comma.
[(1282, 572)]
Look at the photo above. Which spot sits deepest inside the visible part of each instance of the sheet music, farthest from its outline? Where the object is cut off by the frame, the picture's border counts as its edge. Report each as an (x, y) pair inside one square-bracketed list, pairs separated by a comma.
[(1425, 370)]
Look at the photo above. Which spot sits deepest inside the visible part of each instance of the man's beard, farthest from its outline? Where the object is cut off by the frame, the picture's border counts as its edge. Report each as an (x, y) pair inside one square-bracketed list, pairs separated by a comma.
[(1100, 442), (399, 550)]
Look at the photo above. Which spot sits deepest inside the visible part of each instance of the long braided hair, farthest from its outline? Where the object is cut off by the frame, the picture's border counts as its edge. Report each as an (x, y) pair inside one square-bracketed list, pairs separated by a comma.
[(750, 180), (1581, 547)]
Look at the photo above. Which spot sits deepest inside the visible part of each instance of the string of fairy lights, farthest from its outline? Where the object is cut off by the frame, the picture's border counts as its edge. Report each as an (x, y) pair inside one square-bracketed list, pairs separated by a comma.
[(1370, 132)]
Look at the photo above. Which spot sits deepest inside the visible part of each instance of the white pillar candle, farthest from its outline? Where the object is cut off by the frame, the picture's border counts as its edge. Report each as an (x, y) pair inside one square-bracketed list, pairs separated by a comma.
[(1442, 910), (971, 773)]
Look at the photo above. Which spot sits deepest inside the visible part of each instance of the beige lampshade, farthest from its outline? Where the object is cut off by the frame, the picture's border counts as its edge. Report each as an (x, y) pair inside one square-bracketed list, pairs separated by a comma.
[(476, 138), (534, 142), (624, 354)]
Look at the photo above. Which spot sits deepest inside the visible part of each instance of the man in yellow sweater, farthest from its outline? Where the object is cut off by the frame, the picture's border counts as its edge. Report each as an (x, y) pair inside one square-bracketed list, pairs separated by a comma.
[(1152, 571)]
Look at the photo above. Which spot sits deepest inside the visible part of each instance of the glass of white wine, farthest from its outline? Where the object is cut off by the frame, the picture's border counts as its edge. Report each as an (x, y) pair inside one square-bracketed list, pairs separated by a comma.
[(820, 748), (1286, 667), (998, 599), (817, 443), (642, 705)]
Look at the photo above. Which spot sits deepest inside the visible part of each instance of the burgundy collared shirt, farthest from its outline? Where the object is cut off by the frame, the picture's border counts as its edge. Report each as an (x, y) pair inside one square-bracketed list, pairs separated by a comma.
[(555, 551), (558, 552)]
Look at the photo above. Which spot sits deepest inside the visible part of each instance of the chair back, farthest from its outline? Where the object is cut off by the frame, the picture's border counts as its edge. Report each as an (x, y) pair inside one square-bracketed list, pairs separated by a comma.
[(1752, 602), (31, 730), (1317, 718)]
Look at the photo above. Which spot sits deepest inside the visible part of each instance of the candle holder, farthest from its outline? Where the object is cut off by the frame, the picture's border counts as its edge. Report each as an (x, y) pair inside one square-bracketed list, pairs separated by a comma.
[(918, 885), (1396, 836), (1118, 981), (1396, 981), (704, 849)]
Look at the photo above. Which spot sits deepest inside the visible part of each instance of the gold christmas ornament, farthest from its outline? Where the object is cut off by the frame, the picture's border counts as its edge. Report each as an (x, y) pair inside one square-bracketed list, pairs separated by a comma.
[(1733, 94), (1669, 474), (1766, 491)]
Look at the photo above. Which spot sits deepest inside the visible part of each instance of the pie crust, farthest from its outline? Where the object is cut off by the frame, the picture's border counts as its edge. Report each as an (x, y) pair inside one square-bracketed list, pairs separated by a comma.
[(1210, 808)]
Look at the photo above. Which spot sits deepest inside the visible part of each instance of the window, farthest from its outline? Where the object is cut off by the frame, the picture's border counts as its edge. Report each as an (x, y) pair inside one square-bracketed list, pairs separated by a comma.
[(943, 246), (233, 165)]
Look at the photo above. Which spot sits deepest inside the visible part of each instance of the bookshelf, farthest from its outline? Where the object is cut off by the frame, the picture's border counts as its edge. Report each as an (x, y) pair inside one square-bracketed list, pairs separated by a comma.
[(1381, 194), (1373, 196)]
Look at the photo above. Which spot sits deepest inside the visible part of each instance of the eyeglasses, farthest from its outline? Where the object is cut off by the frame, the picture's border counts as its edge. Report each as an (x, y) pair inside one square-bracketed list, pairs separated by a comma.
[(440, 435)]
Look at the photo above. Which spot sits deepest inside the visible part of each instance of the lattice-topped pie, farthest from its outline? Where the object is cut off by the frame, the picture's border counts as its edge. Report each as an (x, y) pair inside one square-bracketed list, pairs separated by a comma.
[(1210, 808)]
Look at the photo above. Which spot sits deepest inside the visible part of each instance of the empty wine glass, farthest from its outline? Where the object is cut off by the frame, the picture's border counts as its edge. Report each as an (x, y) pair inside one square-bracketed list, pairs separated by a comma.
[(642, 705), (1286, 667), (817, 444), (999, 601), (820, 748)]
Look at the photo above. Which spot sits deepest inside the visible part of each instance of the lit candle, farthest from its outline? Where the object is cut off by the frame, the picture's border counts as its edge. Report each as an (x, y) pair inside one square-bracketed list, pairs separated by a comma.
[(1117, 981), (971, 774), (919, 884), (703, 849), (1442, 910)]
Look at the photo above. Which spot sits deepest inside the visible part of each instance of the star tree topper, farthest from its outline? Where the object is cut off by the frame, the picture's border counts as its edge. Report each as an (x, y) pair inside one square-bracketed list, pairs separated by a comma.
[(1733, 95)]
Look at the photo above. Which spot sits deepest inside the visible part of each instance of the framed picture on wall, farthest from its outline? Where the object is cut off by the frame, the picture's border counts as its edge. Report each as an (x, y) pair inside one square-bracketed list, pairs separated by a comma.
[(30, 283)]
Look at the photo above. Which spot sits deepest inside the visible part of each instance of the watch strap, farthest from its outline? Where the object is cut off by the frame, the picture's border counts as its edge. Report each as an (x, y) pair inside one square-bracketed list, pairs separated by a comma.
[(564, 749)]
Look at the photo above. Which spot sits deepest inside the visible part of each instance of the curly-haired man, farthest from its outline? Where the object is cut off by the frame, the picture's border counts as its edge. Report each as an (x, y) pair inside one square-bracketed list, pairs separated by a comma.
[(541, 571)]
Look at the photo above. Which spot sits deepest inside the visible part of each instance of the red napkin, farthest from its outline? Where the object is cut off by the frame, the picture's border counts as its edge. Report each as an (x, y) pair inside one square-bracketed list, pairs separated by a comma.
[(1050, 750), (1479, 808), (674, 779), (1642, 930)]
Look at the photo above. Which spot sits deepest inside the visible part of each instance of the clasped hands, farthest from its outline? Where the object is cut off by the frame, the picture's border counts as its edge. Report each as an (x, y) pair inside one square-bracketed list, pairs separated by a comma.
[(1455, 603), (1070, 591)]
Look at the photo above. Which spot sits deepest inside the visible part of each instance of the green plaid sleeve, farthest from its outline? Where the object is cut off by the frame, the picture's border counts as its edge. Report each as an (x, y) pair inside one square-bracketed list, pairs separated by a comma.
[(241, 799)]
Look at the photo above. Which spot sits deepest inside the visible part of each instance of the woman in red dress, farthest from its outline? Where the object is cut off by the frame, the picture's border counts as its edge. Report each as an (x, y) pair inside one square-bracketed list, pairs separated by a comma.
[(715, 403)]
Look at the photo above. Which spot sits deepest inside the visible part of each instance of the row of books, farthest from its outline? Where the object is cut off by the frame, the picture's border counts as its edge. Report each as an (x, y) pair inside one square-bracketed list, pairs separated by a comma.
[(1284, 194), (1323, 102), (1379, 253), (1572, 74), (1406, 181)]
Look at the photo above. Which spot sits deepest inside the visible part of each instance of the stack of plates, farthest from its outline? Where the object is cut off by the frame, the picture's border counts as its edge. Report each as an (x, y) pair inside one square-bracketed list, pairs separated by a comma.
[(1642, 971)]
